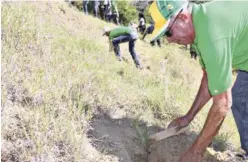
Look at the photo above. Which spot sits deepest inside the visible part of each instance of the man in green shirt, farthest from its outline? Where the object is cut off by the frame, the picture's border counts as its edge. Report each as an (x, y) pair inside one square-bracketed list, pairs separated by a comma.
[(121, 35), (218, 31)]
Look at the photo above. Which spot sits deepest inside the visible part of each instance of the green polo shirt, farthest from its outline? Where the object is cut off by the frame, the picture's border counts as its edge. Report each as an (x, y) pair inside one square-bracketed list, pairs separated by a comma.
[(221, 40), (119, 31)]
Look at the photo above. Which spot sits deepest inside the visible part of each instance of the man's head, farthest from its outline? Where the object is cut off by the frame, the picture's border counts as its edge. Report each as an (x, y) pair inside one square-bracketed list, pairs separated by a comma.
[(180, 29), (106, 31), (141, 15), (173, 20)]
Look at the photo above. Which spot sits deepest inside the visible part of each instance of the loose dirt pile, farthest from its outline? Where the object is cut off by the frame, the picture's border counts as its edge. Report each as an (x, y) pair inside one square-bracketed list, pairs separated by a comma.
[(119, 137)]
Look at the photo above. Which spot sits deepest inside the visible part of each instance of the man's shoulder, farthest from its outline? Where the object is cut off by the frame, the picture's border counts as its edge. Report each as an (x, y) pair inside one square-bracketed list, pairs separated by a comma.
[(120, 28)]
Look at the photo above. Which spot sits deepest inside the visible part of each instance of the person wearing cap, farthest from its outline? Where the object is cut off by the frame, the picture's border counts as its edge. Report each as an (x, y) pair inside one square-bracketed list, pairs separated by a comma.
[(121, 35), (218, 31)]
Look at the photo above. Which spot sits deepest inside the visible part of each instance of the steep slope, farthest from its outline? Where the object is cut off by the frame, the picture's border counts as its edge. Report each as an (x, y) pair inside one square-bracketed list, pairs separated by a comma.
[(66, 98)]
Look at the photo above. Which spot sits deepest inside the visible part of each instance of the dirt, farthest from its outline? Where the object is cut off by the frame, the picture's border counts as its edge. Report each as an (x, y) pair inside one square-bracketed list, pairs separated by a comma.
[(169, 150), (119, 137)]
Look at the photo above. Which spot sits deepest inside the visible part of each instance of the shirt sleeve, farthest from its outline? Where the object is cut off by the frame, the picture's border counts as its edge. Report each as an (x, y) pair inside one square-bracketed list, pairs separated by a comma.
[(110, 35), (113, 33), (217, 60)]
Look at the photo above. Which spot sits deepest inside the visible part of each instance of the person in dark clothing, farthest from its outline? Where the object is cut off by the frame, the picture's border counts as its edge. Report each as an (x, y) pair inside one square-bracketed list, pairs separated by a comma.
[(142, 23), (85, 6), (107, 10), (115, 12), (121, 35), (102, 9), (149, 30), (96, 4)]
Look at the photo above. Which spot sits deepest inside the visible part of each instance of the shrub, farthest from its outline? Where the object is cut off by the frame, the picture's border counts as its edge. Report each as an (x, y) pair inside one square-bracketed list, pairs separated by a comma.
[(127, 12), (148, 15)]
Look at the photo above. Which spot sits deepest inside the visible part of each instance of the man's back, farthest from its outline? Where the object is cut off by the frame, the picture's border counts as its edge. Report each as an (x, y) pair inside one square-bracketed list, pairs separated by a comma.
[(221, 40), (119, 31), (225, 20)]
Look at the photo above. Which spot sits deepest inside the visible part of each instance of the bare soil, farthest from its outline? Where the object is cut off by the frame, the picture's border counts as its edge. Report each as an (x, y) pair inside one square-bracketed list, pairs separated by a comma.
[(118, 137)]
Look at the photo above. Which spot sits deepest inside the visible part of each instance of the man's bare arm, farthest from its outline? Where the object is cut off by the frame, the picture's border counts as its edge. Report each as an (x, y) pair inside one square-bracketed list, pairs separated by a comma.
[(202, 97), (221, 104)]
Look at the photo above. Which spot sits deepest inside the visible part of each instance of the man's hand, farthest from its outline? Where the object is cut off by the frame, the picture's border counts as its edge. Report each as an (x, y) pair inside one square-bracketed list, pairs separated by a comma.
[(191, 156), (179, 122)]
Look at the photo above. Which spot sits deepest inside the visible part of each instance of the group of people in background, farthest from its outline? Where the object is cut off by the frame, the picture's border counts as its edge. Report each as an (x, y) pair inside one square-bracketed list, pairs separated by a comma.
[(105, 9), (130, 34)]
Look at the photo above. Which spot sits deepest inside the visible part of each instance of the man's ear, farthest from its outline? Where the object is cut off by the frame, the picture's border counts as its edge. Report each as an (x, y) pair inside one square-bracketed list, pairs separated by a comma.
[(184, 17)]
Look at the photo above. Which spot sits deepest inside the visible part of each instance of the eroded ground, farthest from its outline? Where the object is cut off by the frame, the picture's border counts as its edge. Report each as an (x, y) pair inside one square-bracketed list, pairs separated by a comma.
[(119, 137)]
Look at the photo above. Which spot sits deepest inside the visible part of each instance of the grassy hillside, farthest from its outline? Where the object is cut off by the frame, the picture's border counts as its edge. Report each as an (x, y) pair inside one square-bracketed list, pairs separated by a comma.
[(58, 75)]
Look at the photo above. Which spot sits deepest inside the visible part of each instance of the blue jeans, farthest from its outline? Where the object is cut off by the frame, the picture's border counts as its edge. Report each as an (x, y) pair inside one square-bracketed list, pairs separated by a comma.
[(96, 7), (122, 39), (240, 107), (85, 6), (107, 12), (108, 18)]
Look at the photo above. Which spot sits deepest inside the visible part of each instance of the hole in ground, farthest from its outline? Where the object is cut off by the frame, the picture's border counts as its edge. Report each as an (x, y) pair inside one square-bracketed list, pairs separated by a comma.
[(121, 137)]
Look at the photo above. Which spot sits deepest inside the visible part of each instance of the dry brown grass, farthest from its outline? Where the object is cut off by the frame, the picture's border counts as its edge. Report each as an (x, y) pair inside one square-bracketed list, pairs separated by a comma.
[(57, 72)]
